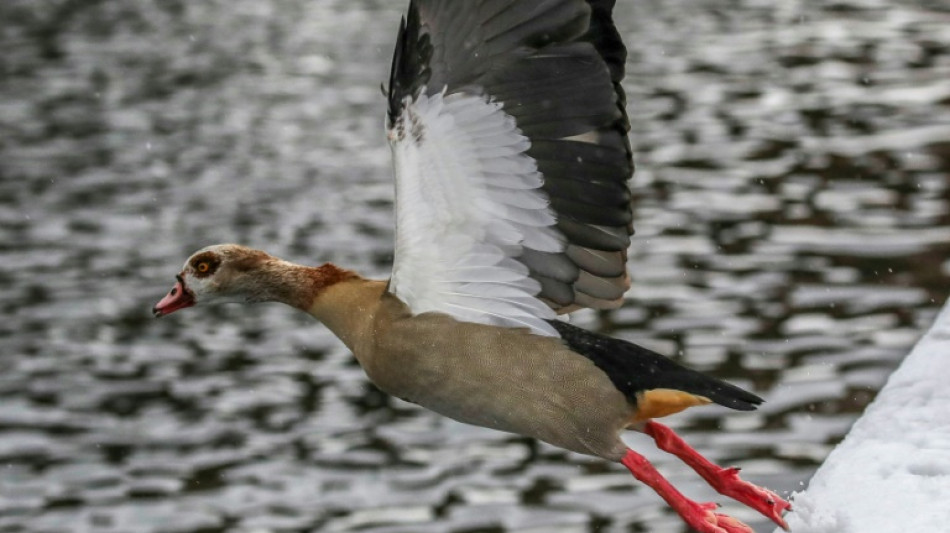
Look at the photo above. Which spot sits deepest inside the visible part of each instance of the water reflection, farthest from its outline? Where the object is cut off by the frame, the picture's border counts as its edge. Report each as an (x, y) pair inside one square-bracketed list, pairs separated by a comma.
[(792, 213)]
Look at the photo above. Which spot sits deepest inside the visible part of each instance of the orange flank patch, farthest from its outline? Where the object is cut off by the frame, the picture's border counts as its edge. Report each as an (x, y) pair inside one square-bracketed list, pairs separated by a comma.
[(656, 403)]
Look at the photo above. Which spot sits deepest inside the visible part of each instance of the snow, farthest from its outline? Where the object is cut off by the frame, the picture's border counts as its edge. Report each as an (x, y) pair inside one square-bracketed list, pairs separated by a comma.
[(892, 471)]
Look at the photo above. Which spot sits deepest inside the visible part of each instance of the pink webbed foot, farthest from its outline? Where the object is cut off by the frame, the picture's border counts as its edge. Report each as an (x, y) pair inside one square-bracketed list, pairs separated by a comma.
[(726, 481), (699, 516), (703, 519)]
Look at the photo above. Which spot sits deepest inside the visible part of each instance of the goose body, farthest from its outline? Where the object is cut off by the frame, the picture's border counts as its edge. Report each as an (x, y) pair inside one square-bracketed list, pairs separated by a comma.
[(509, 136), (540, 388)]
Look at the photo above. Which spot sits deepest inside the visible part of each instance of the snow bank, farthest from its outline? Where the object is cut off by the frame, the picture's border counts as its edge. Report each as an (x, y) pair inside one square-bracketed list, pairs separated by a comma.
[(892, 472)]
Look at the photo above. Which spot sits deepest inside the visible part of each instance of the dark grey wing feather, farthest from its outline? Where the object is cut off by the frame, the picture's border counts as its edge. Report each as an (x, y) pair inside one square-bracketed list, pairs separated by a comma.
[(556, 66)]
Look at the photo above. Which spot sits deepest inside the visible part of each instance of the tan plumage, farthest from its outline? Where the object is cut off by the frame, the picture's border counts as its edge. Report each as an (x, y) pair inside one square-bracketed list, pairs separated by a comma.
[(540, 388), (509, 137)]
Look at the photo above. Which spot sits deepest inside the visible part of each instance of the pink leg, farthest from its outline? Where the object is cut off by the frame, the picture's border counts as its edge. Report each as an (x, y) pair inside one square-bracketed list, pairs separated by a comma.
[(699, 516), (725, 480)]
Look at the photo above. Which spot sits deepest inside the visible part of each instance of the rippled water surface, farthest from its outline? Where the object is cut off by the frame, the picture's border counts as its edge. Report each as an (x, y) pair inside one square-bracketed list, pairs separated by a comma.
[(792, 236)]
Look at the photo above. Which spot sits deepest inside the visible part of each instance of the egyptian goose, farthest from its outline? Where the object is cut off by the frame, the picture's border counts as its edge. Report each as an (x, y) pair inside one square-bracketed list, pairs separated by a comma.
[(509, 138)]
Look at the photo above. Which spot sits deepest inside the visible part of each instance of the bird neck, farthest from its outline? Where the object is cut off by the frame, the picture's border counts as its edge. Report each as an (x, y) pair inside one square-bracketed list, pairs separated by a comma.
[(275, 280), (341, 299), (345, 303)]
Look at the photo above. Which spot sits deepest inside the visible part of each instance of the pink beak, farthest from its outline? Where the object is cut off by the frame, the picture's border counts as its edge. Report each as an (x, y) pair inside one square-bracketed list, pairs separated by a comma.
[(177, 298)]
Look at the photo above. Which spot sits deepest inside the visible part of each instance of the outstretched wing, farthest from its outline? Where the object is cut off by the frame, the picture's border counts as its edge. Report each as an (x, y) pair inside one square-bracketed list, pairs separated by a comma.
[(509, 140)]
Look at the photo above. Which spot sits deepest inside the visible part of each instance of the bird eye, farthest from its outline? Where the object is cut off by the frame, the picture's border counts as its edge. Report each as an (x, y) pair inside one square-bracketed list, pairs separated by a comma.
[(203, 267)]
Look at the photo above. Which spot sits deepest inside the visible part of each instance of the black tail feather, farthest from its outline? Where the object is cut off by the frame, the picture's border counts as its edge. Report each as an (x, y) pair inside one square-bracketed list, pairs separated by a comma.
[(634, 369), (719, 391)]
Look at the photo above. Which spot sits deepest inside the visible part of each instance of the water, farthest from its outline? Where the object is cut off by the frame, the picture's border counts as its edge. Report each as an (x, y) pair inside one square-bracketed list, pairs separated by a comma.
[(792, 236)]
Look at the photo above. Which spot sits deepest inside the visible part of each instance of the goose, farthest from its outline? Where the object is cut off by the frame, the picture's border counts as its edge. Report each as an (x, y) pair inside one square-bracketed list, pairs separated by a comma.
[(507, 125)]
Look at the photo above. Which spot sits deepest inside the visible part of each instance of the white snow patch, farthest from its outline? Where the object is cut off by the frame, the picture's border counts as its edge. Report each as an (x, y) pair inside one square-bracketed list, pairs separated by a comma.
[(892, 472)]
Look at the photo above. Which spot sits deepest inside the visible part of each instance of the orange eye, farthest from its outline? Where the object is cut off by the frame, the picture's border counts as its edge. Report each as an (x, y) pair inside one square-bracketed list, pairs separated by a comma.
[(203, 267)]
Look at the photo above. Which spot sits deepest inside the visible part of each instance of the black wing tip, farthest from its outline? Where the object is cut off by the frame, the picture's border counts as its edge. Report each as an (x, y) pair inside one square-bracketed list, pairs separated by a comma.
[(410, 66), (606, 39), (410, 69), (393, 91)]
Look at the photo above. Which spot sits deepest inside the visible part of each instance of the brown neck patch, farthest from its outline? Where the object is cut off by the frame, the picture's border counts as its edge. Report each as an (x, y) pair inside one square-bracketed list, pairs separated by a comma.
[(314, 280), (329, 274)]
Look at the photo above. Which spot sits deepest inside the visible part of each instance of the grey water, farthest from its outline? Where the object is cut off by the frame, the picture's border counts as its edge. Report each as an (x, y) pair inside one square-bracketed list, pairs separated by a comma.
[(793, 235)]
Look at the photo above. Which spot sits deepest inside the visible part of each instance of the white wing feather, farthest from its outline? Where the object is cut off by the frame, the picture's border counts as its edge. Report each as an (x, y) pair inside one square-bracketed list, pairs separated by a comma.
[(468, 201)]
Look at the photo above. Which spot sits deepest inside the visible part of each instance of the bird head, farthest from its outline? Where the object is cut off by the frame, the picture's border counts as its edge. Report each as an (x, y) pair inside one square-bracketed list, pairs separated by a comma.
[(215, 274)]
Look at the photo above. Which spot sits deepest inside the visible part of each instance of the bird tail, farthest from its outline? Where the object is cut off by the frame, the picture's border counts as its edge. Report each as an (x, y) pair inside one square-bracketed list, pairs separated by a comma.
[(656, 384), (715, 390)]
